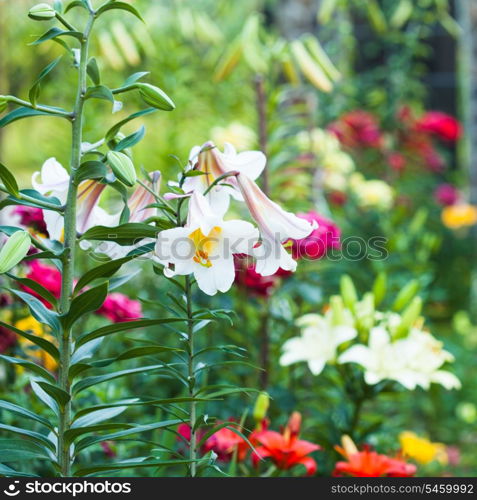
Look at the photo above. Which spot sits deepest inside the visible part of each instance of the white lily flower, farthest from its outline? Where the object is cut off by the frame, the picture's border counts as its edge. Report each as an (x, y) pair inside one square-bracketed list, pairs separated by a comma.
[(207, 158), (412, 361), (276, 226), (205, 246), (317, 344), (53, 180)]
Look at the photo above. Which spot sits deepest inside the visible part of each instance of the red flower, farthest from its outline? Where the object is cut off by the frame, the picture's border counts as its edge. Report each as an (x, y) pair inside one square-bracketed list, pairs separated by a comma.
[(247, 277), (285, 449), (118, 307), (446, 195), (224, 442), (338, 198), (323, 238), (368, 463), (31, 217), (357, 129), (7, 339), (442, 125), (47, 276)]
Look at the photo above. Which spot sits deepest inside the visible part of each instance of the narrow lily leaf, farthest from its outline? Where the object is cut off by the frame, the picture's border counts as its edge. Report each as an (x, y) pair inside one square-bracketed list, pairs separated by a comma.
[(90, 381), (120, 327), (87, 302), (111, 133), (72, 434), (89, 441), (34, 92), (40, 312), (130, 140), (91, 170), (36, 287), (98, 416), (20, 113), (56, 32), (99, 92), (74, 4), (8, 180), (29, 365), (93, 71), (14, 250), (39, 341), (35, 436), (45, 397), (23, 412), (59, 395), (134, 78), (121, 6), (86, 351), (20, 450), (9, 472), (125, 234), (134, 463)]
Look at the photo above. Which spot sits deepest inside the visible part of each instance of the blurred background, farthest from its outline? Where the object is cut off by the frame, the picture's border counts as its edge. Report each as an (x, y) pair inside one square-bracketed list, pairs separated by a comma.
[(367, 111)]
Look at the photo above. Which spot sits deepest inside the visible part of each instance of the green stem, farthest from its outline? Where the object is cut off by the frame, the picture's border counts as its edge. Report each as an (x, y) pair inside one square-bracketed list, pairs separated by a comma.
[(64, 458), (191, 378)]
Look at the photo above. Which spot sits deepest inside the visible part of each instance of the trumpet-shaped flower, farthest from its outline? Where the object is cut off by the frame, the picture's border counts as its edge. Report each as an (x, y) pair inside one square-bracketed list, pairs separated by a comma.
[(276, 226), (317, 344), (205, 246), (214, 164), (54, 182)]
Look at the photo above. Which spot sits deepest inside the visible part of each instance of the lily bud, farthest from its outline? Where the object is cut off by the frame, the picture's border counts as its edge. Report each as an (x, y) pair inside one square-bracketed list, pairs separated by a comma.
[(409, 317), (379, 288), (42, 12), (14, 250), (155, 97), (123, 167), (348, 445), (405, 295), (348, 292), (3, 103), (337, 310), (294, 424), (261, 407)]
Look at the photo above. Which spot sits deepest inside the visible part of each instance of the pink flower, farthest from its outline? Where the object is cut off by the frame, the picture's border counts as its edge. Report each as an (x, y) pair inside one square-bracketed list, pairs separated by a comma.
[(224, 442), (357, 129), (396, 161), (325, 237), (47, 276), (446, 195), (118, 307), (442, 125), (31, 217)]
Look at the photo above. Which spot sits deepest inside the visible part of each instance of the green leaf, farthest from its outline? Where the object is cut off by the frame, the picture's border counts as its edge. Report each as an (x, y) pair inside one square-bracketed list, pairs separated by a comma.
[(29, 365), (92, 169), (56, 32), (59, 395), (35, 436), (74, 4), (9, 472), (98, 416), (93, 71), (130, 140), (112, 132), (8, 180), (120, 327), (90, 440), (33, 194), (129, 464), (34, 92), (23, 412), (99, 92), (19, 450), (87, 302), (36, 287), (44, 397), (134, 78), (39, 311), (121, 6), (103, 271), (21, 113), (72, 434), (85, 351), (125, 234), (81, 385), (39, 341)]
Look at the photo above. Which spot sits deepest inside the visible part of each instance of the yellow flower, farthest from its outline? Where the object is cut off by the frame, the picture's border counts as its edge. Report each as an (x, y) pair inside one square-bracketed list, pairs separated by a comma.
[(240, 136), (32, 326), (457, 216), (421, 449)]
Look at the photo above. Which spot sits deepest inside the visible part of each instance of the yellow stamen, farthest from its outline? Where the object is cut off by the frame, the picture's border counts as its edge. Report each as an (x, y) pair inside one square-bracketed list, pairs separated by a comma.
[(204, 245)]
